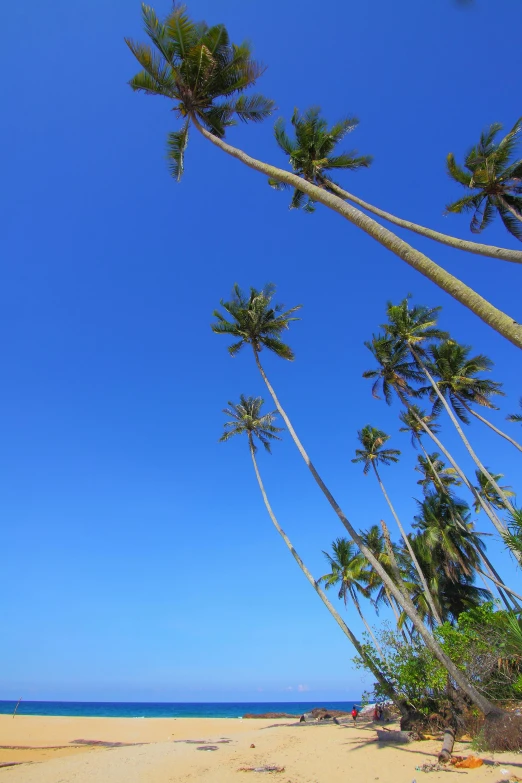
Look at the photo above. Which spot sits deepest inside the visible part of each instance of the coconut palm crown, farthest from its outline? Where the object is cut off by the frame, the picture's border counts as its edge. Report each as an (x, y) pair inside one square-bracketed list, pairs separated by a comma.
[(311, 152), (412, 326), (494, 178), (396, 371), (372, 452), (457, 376), (246, 419), (202, 72), (255, 321)]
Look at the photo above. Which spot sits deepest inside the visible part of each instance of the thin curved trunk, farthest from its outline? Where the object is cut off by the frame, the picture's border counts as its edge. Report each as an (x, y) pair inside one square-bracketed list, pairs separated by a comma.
[(503, 586), (460, 523), (502, 253), (391, 603), (367, 660), (366, 624), (499, 321), (459, 429), (490, 425), (427, 593), (402, 598)]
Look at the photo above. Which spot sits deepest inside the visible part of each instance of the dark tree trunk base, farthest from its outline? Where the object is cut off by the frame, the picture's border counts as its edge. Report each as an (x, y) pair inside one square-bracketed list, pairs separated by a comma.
[(411, 719), (503, 731)]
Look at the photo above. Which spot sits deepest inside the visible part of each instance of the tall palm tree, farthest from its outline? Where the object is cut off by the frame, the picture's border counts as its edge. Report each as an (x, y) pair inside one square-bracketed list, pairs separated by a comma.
[(349, 572), (434, 472), (254, 336), (412, 326), (311, 157), (246, 418), (373, 454), (205, 75), (457, 376), (516, 417), (395, 374), (494, 178), (489, 493)]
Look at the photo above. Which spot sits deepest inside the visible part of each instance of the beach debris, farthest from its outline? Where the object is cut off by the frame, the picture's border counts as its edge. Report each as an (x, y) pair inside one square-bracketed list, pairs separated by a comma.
[(208, 747), (266, 768), (388, 735), (104, 744), (222, 741), (431, 766), (469, 762), (252, 745)]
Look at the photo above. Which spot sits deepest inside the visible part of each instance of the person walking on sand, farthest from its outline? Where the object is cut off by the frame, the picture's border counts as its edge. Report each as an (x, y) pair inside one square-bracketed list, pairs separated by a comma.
[(354, 714)]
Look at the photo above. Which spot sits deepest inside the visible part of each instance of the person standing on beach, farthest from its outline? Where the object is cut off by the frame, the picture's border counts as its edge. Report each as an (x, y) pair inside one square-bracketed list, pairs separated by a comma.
[(354, 714)]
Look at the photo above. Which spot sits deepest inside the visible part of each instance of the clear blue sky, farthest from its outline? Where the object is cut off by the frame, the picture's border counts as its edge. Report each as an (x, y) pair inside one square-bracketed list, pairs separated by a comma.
[(138, 561)]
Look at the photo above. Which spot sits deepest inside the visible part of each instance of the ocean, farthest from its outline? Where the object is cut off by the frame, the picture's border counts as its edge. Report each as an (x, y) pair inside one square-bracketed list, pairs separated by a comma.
[(106, 709)]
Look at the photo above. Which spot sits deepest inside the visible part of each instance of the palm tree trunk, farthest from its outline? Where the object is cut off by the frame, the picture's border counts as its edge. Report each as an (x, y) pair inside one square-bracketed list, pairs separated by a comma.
[(429, 597), (367, 660), (391, 603), (459, 429), (490, 425), (502, 586), (366, 624), (504, 254), (460, 523), (499, 321), (402, 598)]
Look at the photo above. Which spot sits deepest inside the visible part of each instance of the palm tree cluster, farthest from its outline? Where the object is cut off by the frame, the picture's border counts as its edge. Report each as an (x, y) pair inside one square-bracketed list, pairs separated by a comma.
[(428, 577), (205, 76)]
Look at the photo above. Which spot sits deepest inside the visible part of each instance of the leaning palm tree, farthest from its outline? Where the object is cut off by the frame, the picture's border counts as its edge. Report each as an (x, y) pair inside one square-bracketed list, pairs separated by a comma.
[(372, 455), (494, 179), (516, 417), (311, 156), (412, 326), (246, 418), (256, 334), (489, 493), (458, 378), (204, 75), (350, 573)]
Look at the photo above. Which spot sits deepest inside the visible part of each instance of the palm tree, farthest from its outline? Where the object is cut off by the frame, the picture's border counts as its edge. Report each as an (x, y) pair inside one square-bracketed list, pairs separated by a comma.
[(435, 473), (311, 153), (350, 573), (454, 595), (494, 177), (489, 493), (205, 75), (255, 335), (513, 535), (457, 376), (459, 546), (412, 327), (371, 455), (311, 157), (198, 68), (516, 417), (247, 419)]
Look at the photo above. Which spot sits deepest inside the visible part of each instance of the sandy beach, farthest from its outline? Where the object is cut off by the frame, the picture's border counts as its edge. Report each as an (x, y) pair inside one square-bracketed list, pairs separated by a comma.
[(51, 753)]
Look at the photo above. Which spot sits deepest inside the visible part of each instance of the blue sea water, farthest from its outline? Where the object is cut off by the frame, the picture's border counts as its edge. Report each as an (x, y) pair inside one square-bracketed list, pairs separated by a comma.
[(94, 709)]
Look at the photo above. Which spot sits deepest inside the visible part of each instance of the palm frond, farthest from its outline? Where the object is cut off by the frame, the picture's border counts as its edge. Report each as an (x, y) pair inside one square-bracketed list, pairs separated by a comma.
[(176, 146), (253, 108)]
